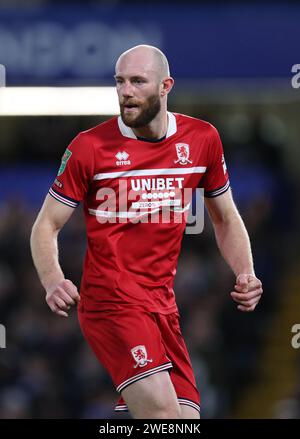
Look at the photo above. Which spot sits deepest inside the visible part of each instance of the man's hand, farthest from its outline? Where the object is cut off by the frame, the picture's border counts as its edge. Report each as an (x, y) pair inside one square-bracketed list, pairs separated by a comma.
[(62, 296), (248, 291)]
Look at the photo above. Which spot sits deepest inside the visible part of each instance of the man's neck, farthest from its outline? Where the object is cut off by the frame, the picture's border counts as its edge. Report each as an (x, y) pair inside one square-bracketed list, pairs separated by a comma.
[(156, 129)]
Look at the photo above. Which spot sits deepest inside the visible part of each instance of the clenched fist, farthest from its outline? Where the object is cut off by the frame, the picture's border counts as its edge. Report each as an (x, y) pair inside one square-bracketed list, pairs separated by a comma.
[(62, 296), (247, 292)]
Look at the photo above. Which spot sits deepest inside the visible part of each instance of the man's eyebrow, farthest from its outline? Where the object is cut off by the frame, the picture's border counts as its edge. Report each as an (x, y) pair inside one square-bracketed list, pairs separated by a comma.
[(139, 77), (131, 77)]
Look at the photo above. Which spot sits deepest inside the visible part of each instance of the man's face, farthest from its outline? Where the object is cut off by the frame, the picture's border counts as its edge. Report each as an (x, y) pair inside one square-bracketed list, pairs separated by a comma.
[(138, 92)]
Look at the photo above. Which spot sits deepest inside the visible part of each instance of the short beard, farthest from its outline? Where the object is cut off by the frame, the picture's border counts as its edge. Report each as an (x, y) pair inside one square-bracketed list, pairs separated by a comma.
[(146, 116)]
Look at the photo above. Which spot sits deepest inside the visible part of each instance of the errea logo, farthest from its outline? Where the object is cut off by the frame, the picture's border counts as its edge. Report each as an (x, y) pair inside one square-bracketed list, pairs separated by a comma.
[(122, 157)]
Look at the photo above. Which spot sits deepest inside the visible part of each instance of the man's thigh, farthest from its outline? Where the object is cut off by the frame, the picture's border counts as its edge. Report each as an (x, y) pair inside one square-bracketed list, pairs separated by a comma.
[(152, 397), (181, 374), (127, 343), (188, 412)]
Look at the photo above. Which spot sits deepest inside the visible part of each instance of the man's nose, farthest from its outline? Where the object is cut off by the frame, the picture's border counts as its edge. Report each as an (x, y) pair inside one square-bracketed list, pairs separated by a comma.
[(127, 89)]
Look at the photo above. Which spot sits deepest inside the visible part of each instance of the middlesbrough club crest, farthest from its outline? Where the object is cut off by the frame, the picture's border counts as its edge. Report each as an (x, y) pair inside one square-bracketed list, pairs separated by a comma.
[(140, 355), (183, 152)]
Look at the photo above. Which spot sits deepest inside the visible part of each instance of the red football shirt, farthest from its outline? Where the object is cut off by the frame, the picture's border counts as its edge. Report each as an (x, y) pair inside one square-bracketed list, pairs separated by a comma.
[(126, 184)]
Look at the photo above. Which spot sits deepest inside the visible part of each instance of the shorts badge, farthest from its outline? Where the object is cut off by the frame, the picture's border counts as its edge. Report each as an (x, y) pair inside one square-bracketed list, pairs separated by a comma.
[(139, 353)]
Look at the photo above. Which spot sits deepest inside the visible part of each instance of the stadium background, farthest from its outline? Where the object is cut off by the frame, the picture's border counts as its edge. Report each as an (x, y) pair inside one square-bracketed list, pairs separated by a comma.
[(233, 67)]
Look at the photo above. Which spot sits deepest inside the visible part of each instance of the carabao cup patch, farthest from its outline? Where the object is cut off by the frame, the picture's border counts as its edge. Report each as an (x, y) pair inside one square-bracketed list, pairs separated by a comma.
[(64, 161)]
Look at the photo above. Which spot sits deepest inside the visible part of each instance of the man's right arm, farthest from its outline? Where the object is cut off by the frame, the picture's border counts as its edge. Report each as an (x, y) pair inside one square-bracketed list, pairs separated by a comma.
[(61, 292)]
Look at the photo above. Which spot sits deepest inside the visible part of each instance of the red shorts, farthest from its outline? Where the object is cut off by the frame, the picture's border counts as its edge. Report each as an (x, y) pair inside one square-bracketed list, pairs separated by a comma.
[(133, 344)]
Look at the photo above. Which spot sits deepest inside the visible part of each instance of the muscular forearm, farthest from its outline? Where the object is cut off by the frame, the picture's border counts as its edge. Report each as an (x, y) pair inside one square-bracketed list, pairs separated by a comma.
[(234, 244), (45, 254), (61, 293)]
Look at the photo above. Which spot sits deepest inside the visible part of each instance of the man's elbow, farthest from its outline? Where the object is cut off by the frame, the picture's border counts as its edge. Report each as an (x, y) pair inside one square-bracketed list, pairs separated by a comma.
[(42, 228), (35, 232), (226, 218)]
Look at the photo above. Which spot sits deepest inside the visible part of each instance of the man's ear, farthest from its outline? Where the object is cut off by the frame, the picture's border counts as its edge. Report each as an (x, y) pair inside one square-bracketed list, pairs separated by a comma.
[(166, 86)]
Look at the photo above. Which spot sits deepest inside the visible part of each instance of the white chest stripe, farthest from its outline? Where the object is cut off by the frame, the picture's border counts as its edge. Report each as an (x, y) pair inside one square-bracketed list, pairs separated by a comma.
[(145, 172), (132, 214)]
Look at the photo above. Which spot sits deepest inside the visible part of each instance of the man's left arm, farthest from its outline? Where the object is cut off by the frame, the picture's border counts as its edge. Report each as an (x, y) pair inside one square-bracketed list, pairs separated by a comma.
[(234, 244)]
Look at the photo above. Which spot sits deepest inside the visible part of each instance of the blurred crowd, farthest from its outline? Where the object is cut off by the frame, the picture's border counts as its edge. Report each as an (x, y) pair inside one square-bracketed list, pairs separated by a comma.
[(48, 371)]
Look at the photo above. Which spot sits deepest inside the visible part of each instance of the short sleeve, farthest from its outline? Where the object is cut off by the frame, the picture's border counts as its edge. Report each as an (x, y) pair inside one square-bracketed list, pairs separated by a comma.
[(215, 180), (75, 172)]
